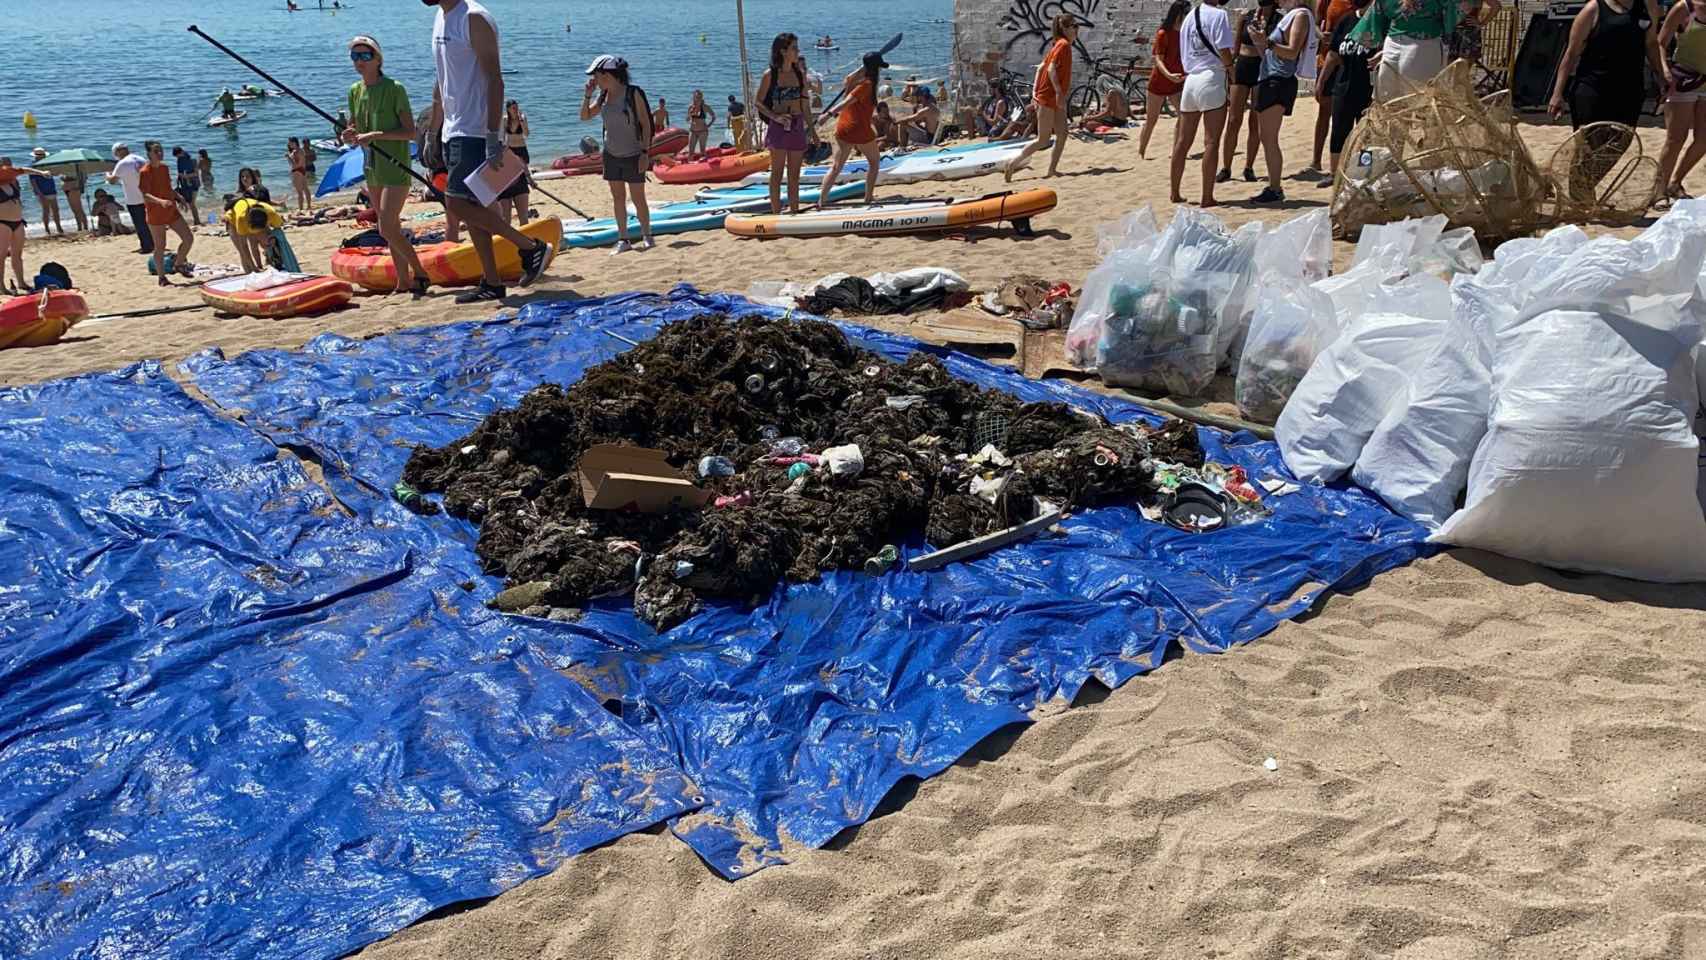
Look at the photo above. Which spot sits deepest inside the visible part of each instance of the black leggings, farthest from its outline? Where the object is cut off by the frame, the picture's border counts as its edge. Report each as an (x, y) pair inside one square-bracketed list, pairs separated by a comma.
[(1603, 148), (1347, 110)]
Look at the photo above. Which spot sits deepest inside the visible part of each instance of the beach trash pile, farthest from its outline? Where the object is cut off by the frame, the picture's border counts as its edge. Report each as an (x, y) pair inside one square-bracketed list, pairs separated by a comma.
[(726, 456)]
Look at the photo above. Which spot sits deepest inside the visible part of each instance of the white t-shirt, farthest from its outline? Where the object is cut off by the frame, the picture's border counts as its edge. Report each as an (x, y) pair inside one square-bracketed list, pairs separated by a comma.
[(462, 85), (1216, 27), (129, 174)]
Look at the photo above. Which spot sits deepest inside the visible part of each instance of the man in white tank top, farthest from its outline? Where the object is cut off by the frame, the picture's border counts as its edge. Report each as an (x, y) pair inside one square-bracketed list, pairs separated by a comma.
[(467, 104)]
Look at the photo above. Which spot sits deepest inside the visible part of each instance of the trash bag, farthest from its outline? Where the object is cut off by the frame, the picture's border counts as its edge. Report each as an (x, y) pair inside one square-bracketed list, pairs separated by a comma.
[(1300, 249), (1590, 460), (1294, 321), (1126, 263), (1130, 230), (1217, 268), (1355, 381), (1417, 460), (1399, 243)]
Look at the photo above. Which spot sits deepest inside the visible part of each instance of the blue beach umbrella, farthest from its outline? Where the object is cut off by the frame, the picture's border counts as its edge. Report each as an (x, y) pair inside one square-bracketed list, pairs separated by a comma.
[(349, 169)]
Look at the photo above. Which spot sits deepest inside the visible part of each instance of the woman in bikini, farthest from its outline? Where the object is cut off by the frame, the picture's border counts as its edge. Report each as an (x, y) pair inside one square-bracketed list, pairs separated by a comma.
[(515, 198), (12, 219), (699, 120), (1246, 73), (783, 103), (298, 161)]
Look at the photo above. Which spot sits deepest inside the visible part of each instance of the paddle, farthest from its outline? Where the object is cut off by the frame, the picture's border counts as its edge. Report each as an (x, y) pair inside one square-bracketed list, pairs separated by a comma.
[(299, 98), (887, 48)]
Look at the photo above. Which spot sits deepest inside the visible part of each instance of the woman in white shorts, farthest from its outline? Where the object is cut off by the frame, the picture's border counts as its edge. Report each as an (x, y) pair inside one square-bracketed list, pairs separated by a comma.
[(1205, 51), (1685, 101)]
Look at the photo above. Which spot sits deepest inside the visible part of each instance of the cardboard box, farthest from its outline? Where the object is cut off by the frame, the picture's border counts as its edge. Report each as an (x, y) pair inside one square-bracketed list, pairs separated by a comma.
[(615, 476)]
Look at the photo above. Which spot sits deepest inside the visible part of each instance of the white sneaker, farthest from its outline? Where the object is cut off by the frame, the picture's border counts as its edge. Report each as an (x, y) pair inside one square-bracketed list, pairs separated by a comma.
[(644, 244), (622, 246)]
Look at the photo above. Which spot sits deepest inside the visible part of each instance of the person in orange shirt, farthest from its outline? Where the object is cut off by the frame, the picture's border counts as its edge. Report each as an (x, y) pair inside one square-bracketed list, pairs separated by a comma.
[(162, 203), (853, 130), (1167, 75), (1327, 14), (1054, 84)]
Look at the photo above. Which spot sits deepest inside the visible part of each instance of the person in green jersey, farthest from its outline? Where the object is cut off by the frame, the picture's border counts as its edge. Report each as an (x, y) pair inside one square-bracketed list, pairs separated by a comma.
[(382, 124), (1409, 36)]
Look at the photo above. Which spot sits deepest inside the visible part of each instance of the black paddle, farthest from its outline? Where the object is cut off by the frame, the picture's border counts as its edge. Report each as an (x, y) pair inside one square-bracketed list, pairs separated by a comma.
[(887, 48), (406, 168)]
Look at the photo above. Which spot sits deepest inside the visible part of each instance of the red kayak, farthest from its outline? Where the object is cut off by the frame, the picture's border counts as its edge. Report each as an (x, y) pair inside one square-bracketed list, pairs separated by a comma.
[(667, 141), (710, 154), (726, 169)]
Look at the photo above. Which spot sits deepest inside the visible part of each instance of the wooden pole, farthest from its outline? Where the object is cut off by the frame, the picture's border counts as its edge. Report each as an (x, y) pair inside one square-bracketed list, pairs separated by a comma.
[(749, 128)]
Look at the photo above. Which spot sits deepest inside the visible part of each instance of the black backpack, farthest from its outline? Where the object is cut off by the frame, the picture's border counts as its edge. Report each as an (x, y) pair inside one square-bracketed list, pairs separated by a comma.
[(646, 107)]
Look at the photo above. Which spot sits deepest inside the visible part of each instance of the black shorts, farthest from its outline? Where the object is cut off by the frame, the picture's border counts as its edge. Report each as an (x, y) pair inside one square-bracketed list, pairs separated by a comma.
[(1246, 71), (1276, 92), (1348, 108), (463, 155), (623, 169), (520, 185)]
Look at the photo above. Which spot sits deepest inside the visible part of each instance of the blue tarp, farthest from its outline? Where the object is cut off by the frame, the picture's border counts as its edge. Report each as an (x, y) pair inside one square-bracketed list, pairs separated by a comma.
[(238, 721), (796, 718)]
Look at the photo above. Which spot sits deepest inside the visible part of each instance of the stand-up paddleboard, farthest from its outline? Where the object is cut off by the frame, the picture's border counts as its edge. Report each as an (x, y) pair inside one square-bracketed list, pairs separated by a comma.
[(689, 216), (447, 264), (276, 294), (227, 121), (913, 216), (713, 170), (938, 163)]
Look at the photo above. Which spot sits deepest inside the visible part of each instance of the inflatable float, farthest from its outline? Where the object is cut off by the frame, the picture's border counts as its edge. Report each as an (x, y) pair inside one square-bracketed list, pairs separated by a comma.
[(38, 319), (277, 294), (912, 216), (725, 169), (666, 141), (447, 264)]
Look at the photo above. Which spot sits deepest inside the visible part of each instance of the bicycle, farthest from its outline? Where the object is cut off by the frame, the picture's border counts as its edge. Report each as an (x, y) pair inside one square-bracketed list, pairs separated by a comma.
[(1086, 98)]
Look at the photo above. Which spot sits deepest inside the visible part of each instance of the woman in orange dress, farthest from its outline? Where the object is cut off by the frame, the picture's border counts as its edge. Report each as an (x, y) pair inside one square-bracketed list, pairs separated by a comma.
[(1167, 76), (853, 129), (1054, 84)]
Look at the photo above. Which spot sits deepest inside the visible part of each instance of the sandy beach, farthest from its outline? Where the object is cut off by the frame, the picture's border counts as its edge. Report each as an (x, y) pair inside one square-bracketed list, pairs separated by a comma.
[(1476, 757)]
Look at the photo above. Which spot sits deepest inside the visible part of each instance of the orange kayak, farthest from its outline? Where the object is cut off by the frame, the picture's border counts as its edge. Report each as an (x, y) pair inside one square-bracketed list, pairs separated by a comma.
[(38, 319), (447, 264), (295, 295), (715, 169)]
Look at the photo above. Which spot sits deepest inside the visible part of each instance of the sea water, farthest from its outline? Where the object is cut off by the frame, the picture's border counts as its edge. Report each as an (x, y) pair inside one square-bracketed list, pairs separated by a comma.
[(97, 71)]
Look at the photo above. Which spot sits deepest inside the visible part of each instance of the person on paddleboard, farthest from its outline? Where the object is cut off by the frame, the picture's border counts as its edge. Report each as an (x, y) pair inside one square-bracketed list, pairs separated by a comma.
[(468, 101), (383, 124), (853, 129), (227, 104)]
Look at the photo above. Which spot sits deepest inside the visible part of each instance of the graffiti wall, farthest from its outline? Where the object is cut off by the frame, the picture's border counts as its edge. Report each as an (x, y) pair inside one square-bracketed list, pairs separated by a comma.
[(992, 36)]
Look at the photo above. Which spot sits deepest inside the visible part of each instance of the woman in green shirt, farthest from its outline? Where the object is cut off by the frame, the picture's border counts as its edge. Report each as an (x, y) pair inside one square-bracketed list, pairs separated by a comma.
[(382, 124), (1410, 35)]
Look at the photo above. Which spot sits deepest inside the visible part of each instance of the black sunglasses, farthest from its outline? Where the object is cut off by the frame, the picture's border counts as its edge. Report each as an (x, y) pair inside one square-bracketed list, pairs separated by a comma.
[(362, 56)]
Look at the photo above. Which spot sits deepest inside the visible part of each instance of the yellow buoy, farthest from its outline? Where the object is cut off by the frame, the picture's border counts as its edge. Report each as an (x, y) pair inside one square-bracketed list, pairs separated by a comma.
[(29, 120), (701, 38)]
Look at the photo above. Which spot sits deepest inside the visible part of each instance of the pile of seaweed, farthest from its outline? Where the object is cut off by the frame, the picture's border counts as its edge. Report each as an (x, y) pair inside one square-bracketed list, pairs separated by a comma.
[(764, 395)]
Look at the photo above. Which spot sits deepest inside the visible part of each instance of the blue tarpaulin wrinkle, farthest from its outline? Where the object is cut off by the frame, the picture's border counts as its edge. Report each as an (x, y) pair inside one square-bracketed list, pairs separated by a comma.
[(239, 723), (797, 717)]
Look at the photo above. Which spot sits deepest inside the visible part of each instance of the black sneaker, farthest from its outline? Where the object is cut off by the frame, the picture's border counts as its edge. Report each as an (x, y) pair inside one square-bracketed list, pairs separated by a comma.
[(1249, 174), (482, 293), (533, 262), (1224, 175), (1269, 195)]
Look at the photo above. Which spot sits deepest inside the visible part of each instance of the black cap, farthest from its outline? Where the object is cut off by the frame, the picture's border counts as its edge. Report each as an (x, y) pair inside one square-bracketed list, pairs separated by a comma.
[(875, 61)]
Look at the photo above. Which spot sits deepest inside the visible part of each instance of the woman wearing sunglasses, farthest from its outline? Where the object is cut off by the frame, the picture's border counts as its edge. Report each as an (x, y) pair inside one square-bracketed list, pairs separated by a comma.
[(382, 124)]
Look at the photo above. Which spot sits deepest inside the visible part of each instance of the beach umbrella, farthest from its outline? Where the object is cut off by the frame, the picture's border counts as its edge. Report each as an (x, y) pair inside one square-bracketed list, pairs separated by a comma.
[(349, 169), (75, 158)]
